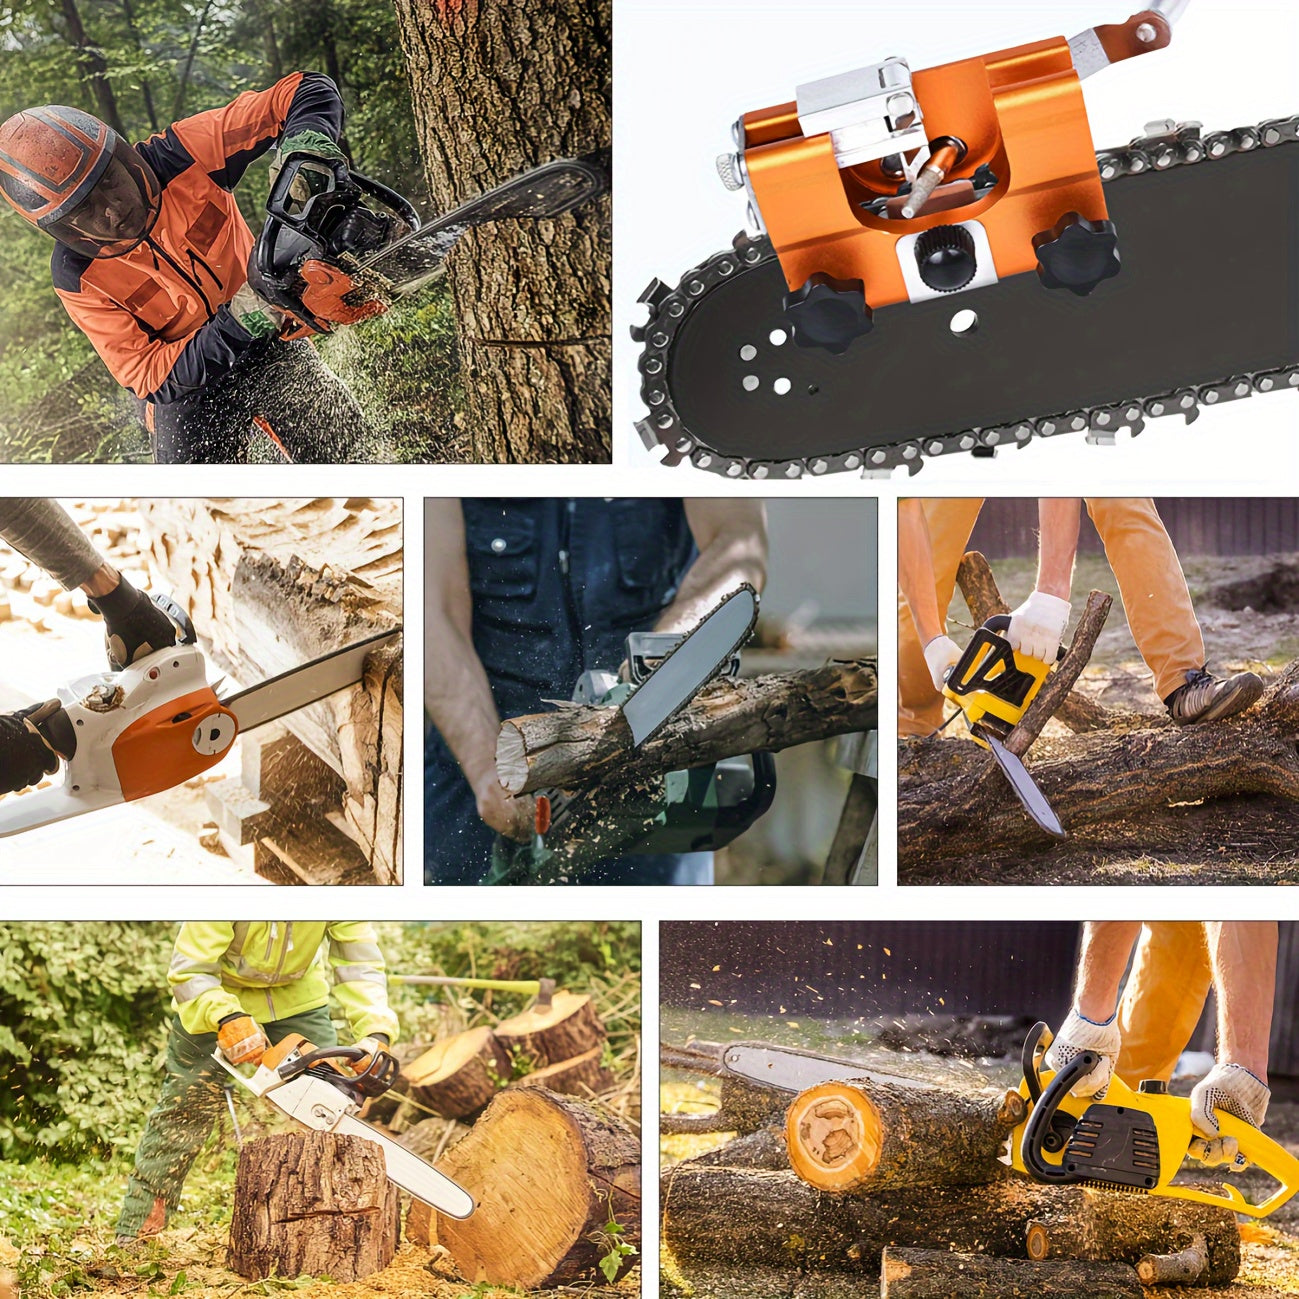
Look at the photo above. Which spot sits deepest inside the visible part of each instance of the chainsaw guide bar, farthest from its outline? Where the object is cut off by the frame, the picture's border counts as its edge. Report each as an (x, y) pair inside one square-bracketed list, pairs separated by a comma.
[(1202, 313)]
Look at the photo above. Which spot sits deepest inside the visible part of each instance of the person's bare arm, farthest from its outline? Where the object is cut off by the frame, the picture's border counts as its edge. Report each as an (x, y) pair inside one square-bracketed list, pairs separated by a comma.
[(1106, 947), (1059, 519), (916, 571), (457, 695), (1242, 955), (731, 537)]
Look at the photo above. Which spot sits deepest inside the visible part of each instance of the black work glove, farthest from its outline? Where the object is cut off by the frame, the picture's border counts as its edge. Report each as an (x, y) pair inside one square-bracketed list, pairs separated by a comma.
[(31, 746), (133, 625)]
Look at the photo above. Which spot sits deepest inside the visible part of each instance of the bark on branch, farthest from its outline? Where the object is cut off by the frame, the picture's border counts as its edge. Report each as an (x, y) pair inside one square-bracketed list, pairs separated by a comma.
[(575, 747)]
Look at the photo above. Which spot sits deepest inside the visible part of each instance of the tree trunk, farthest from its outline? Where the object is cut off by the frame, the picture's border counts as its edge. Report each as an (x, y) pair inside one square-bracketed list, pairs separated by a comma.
[(726, 1215), (272, 584), (549, 1173), (860, 1136), (313, 1203), (499, 89), (573, 748), (182, 89), (457, 1077), (931, 1274), (146, 90), (568, 1027), (1128, 1228), (583, 1075), (94, 67)]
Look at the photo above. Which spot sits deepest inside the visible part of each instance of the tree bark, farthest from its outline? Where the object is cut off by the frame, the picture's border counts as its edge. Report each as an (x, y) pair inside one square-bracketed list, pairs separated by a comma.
[(549, 1173), (726, 1215), (575, 747), (861, 1136), (547, 1035), (456, 1078), (272, 584), (313, 1203), (499, 89), (1188, 1266), (95, 68), (932, 1274)]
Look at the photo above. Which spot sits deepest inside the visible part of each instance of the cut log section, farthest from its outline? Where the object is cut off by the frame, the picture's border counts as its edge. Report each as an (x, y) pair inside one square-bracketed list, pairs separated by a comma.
[(859, 1136), (583, 1075), (932, 1274), (1189, 1266), (549, 1173), (546, 1035), (313, 1203), (272, 584), (457, 1077), (573, 748)]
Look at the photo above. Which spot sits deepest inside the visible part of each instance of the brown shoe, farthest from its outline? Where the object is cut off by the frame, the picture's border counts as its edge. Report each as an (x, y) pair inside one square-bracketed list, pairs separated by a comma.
[(1205, 698), (153, 1225)]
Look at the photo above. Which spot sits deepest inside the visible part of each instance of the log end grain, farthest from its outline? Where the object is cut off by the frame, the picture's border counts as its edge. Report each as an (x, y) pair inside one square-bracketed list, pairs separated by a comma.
[(834, 1137)]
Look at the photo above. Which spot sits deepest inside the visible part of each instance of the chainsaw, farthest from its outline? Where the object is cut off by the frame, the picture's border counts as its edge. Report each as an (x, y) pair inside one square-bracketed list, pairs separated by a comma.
[(699, 809), (317, 1088), (158, 723), (334, 253), (828, 337), (993, 685), (1133, 1141)]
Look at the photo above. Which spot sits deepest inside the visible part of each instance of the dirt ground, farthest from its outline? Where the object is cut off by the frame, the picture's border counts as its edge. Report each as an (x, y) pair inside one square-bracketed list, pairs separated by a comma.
[(1248, 610), (153, 841)]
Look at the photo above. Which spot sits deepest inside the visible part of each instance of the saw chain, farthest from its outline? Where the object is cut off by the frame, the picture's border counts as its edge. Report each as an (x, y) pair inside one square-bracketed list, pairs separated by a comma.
[(1175, 145)]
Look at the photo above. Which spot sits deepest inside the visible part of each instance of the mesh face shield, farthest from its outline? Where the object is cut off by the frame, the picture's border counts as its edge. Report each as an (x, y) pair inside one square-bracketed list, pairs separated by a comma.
[(118, 210)]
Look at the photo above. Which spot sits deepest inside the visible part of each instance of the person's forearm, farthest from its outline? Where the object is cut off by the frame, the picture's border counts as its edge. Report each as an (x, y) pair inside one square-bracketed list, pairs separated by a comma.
[(459, 700), (1058, 522), (44, 532), (916, 571), (1106, 947), (735, 553), (1242, 955)]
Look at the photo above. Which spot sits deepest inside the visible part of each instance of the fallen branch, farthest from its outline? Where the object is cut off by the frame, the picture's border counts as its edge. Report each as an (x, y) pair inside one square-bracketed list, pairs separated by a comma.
[(575, 747), (934, 1274)]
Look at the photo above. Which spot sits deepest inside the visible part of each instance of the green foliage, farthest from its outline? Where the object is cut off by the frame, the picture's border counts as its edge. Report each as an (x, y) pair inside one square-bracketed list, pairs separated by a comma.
[(615, 1249), (82, 1023)]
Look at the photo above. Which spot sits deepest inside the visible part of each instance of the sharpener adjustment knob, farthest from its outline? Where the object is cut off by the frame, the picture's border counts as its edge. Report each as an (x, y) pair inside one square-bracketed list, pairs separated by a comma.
[(1077, 254), (946, 257), (828, 313)]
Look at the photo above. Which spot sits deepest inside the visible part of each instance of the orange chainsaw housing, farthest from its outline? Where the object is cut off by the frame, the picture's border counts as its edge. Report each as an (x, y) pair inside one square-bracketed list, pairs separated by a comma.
[(157, 751), (1021, 111), (326, 293)]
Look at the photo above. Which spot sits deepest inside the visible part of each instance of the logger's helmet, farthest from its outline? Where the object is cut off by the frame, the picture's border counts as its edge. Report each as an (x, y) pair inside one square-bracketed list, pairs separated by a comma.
[(75, 178)]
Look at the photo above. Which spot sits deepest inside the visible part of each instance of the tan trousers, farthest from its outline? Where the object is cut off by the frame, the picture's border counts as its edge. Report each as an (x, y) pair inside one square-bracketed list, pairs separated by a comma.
[(1145, 565), (1162, 999)]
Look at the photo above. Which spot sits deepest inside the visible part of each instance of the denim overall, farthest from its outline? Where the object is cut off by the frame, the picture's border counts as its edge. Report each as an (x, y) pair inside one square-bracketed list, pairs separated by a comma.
[(557, 584)]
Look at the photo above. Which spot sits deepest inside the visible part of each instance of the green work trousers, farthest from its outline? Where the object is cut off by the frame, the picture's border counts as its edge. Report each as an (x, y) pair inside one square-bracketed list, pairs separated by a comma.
[(190, 1103)]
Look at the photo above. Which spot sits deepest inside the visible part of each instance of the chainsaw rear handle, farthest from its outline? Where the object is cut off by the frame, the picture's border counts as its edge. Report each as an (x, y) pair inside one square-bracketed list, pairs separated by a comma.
[(374, 1080)]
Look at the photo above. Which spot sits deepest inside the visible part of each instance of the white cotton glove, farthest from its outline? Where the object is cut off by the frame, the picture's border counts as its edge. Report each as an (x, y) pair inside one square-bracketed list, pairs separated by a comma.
[(1232, 1089), (1078, 1034), (1037, 626), (942, 654)]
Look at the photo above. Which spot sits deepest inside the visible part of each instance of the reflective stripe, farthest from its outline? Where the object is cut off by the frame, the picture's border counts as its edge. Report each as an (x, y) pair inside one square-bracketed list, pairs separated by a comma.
[(180, 961), (194, 987), (351, 974), (365, 952)]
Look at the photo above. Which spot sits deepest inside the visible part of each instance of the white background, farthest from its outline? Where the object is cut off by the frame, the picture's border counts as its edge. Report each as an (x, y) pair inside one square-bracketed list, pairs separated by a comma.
[(683, 73)]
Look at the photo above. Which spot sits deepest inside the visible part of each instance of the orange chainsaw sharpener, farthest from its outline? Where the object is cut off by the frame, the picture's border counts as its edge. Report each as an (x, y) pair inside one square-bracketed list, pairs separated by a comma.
[(1019, 112)]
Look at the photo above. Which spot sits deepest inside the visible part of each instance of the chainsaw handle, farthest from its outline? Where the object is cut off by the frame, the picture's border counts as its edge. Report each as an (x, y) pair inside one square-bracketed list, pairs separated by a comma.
[(1039, 1120), (999, 624), (373, 1081)]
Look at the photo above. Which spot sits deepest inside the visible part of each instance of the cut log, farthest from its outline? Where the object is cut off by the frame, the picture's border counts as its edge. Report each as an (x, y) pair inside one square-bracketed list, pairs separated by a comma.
[(932, 1274), (1127, 1228), (272, 584), (763, 1149), (313, 1203), (575, 747), (546, 1035), (860, 1136), (1189, 1266), (457, 1077), (549, 1173), (583, 1075)]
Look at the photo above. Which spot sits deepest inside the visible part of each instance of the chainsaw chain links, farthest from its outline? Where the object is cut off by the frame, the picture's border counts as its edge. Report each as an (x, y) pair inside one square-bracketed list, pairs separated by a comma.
[(1175, 145)]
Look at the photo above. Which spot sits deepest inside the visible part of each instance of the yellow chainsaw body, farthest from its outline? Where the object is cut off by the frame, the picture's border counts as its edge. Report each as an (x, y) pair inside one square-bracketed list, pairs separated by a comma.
[(993, 681), (1171, 1116)]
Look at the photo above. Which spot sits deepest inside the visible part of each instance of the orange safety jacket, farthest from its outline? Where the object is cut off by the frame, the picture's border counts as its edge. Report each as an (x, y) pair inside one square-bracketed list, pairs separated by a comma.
[(157, 315)]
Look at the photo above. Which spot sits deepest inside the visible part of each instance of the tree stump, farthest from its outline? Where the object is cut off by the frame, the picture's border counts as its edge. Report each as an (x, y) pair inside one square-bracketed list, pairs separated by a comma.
[(547, 1035), (858, 1136), (583, 1075), (932, 1274), (313, 1203), (457, 1077), (549, 1173)]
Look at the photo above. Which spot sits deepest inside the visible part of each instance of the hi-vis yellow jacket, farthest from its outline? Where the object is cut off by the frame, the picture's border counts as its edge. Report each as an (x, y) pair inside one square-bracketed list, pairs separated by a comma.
[(273, 969)]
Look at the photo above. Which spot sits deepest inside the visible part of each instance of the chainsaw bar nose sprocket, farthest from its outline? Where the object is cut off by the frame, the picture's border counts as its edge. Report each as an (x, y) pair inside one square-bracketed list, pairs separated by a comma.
[(1202, 313)]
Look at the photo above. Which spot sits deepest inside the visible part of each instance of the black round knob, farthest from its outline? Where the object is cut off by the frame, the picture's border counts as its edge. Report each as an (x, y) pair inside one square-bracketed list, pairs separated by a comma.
[(1153, 1086), (1077, 254), (946, 258), (828, 313)]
